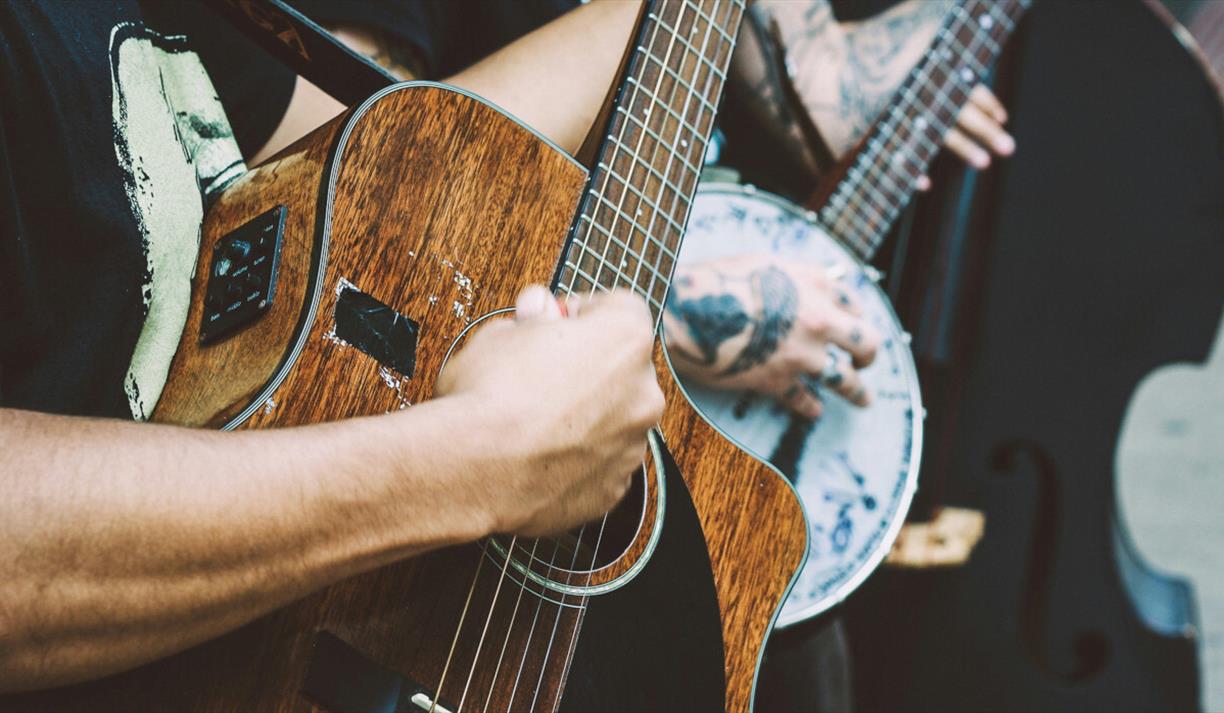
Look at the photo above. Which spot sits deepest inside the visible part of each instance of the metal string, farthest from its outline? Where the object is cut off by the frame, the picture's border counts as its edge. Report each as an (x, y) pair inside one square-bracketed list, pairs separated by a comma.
[(595, 285), (485, 630), (509, 628)]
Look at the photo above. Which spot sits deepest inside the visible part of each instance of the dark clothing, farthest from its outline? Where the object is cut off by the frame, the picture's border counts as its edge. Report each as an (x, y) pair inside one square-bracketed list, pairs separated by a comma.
[(447, 35), (71, 254), (89, 233)]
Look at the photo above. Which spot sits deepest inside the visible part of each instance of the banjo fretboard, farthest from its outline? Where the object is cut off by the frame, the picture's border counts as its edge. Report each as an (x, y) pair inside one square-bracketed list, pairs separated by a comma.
[(900, 147)]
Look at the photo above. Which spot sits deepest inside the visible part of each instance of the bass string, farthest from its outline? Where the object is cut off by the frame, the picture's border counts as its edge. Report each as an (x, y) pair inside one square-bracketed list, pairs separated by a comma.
[(530, 632), (455, 640), (509, 629), (488, 617)]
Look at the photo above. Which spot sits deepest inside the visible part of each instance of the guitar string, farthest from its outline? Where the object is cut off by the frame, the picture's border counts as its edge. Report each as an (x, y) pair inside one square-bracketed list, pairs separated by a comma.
[(510, 627), (688, 87), (551, 564), (594, 286), (489, 617), (698, 142), (658, 16), (531, 631), (455, 640), (651, 104)]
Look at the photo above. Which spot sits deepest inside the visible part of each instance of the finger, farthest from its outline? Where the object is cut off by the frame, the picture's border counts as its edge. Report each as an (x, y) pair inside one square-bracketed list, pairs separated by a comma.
[(923, 183), (536, 302), (983, 129), (802, 401), (983, 97), (964, 147), (841, 329), (845, 299), (848, 384), (622, 301)]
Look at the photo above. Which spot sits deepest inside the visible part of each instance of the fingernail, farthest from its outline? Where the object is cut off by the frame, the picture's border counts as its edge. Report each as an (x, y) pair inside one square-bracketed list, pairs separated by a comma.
[(981, 160), (1005, 145), (533, 301)]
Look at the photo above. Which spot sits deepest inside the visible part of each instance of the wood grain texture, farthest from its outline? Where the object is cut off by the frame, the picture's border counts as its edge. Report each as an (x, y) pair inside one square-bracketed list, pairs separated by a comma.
[(754, 528), (443, 209), (209, 385)]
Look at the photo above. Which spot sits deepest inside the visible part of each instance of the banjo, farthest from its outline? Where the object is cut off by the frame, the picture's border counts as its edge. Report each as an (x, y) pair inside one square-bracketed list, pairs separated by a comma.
[(856, 470)]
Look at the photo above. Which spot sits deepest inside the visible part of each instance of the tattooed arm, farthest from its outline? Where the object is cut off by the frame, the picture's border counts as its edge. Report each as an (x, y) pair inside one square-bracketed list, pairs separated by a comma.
[(754, 323), (847, 72)]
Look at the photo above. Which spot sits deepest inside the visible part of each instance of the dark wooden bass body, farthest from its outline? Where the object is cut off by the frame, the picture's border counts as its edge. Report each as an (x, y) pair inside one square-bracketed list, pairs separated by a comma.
[(1064, 278), (438, 205)]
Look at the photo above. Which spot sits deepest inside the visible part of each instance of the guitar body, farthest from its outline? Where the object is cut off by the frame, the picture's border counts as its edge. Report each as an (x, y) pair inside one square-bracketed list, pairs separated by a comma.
[(436, 204)]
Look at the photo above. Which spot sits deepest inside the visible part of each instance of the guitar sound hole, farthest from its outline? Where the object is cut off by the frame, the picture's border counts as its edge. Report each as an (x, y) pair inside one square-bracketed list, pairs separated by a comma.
[(587, 548)]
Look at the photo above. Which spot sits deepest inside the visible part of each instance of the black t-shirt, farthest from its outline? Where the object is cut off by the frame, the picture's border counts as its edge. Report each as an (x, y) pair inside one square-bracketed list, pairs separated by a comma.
[(110, 133)]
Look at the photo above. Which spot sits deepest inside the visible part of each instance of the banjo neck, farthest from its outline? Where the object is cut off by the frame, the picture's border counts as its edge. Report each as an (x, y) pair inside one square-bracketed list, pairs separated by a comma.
[(881, 177), (631, 218)]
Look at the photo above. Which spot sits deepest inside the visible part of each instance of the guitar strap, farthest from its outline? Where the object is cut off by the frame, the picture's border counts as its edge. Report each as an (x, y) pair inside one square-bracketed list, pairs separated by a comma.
[(306, 48)]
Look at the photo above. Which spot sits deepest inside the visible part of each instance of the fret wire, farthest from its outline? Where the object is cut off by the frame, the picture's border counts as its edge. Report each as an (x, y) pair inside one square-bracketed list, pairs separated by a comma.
[(677, 195), (590, 280), (711, 23), (675, 75), (654, 33), (698, 141), (610, 236), (654, 208), (638, 226), (671, 44), (602, 262), (689, 171), (658, 140), (682, 121)]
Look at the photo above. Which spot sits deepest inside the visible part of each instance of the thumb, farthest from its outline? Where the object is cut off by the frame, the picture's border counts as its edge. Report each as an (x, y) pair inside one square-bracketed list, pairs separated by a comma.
[(536, 302)]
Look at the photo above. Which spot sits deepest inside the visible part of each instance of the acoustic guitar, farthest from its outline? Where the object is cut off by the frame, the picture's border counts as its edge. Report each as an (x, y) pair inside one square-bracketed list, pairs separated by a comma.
[(336, 279)]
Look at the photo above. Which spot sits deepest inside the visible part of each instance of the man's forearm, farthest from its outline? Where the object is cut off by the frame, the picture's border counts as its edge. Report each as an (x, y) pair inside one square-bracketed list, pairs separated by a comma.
[(121, 543), (554, 79)]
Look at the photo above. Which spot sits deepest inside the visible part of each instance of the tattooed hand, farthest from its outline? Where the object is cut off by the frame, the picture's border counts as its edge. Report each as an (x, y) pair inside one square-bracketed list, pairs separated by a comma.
[(846, 73), (756, 323)]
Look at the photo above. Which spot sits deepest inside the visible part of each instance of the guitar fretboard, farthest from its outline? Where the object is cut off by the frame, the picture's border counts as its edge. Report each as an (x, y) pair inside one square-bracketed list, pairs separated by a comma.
[(631, 220), (899, 149)]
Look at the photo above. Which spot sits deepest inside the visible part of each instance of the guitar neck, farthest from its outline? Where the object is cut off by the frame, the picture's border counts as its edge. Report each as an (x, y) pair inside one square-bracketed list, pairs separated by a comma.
[(881, 178), (631, 219)]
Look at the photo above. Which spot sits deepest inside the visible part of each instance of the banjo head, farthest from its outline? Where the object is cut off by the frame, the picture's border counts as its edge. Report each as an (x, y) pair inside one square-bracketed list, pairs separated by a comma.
[(855, 469)]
